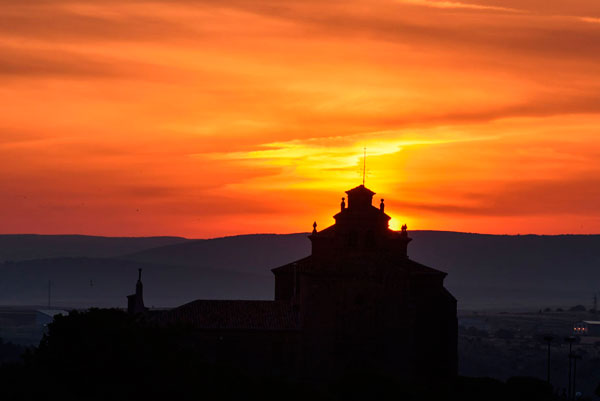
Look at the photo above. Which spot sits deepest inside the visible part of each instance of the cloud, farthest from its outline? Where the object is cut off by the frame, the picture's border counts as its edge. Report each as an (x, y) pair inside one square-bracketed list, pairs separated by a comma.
[(57, 21), (194, 22), (33, 62), (311, 163), (456, 5), (592, 20), (570, 195), (30, 62)]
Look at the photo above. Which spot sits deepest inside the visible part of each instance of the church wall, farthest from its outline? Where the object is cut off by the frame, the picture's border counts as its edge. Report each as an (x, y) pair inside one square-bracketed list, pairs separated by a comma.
[(284, 286), (356, 323), (436, 334)]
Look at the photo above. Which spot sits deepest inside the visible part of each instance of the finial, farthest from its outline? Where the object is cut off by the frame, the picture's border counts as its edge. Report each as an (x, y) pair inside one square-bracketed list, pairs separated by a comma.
[(314, 227), (139, 274), (381, 205)]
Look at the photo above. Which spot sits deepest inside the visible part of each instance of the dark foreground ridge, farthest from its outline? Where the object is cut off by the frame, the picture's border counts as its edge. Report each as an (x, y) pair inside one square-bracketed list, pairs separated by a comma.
[(107, 354)]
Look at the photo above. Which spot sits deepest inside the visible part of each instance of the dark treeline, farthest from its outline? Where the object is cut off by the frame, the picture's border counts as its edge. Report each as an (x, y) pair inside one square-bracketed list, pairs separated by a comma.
[(107, 354), (10, 352)]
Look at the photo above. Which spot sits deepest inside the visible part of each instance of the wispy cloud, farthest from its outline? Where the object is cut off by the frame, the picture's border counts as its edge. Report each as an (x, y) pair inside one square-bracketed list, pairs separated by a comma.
[(521, 198), (316, 161), (591, 20), (457, 4)]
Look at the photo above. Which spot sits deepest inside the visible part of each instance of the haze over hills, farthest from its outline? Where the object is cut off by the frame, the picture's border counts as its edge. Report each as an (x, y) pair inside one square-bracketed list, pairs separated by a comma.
[(32, 246), (104, 282), (485, 271), (513, 271), (256, 253)]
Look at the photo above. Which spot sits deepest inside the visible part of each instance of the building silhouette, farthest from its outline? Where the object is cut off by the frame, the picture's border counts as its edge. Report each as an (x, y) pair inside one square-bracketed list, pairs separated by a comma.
[(357, 303)]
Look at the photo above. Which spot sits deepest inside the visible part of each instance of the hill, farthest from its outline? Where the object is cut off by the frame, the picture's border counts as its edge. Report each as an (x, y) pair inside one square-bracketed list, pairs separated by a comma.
[(257, 253), (513, 271), (15, 247), (485, 271)]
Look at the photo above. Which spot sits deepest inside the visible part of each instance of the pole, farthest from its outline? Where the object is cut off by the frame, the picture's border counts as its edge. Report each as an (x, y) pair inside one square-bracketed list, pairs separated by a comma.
[(575, 358), (49, 294), (574, 376), (570, 341), (548, 364), (548, 340)]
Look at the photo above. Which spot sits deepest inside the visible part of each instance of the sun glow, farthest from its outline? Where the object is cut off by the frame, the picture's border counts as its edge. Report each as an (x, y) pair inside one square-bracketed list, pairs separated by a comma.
[(395, 224)]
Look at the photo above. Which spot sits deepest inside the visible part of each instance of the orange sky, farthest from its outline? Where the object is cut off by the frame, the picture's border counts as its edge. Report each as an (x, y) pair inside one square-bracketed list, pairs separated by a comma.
[(209, 118)]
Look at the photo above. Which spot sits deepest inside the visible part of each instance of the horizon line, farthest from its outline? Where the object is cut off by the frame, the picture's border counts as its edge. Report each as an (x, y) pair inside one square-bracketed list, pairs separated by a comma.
[(273, 233)]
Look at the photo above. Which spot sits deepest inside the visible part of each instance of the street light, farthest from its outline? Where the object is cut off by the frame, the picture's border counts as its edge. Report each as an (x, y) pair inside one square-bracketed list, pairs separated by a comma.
[(570, 340)]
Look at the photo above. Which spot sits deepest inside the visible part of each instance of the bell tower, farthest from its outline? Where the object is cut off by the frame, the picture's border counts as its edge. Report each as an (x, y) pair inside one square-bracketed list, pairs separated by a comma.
[(360, 197), (360, 228), (135, 302)]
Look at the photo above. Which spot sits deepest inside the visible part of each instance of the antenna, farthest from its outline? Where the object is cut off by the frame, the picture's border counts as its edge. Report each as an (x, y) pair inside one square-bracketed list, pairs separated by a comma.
[(364, 165)]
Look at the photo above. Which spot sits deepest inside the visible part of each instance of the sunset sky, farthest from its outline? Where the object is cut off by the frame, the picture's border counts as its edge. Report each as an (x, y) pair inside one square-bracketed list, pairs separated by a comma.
[(212, 118)]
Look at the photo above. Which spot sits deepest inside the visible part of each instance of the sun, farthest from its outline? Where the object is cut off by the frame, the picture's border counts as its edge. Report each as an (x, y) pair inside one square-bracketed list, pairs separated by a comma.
[(396, 223)]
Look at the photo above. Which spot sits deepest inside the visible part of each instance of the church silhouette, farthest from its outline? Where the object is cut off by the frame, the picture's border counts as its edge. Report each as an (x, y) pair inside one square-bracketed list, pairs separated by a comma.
[(357, 303)]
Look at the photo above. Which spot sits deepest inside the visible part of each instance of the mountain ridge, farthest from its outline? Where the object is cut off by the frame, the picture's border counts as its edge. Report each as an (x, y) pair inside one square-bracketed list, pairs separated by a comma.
[(35, 246), (484, 270)]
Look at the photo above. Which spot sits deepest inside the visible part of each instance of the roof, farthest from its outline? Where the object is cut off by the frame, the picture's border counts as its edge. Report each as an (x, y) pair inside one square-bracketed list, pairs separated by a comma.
[(360, 189), (592, 322), (224, 314), (300, 265), (52, 312), (366, 265), (370, 212)]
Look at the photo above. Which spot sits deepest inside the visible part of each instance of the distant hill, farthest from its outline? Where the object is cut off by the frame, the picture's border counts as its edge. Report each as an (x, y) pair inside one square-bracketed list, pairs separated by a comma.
[(485, 271), (513, 271), (257, 253), (32, 246)]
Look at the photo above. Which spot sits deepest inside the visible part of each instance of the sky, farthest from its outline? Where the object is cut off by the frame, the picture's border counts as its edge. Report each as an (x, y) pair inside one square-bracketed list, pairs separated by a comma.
[(211, 118)]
